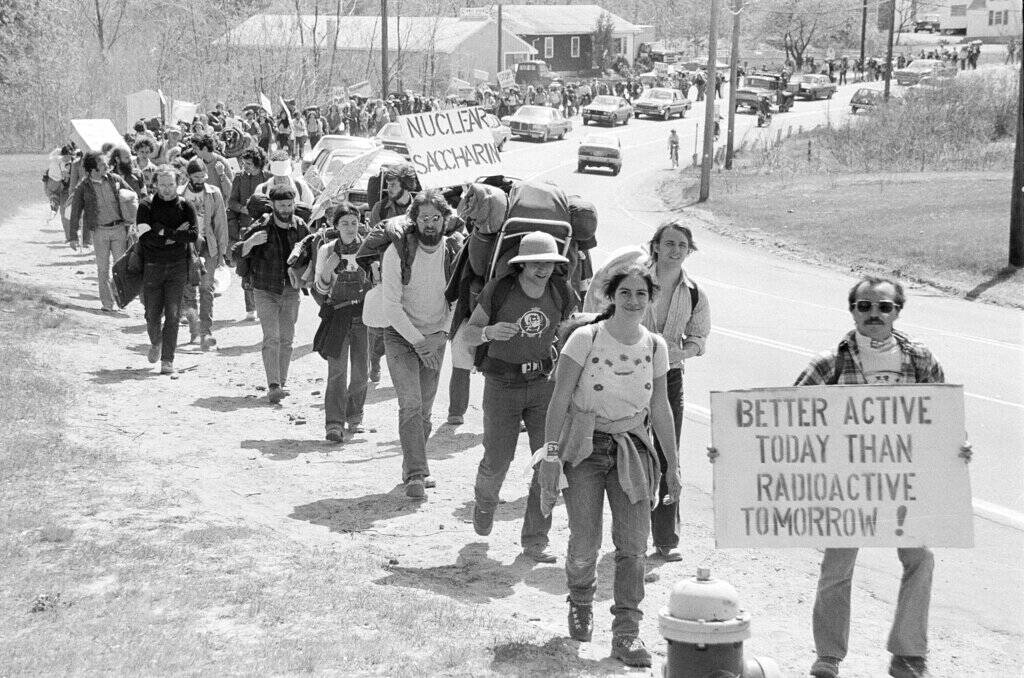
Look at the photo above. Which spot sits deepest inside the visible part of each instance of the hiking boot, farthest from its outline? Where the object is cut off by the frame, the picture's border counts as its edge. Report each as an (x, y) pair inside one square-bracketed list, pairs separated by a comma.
[(631, 652), (415, 488), (581, 622), (483, 520), (456, 420), (429, 483), (825, 667), (539, 554), (154, 354), (355, 427), (206, 342), (668, 554), (275, 394), (335, 435), (166, 367), (903, 666)]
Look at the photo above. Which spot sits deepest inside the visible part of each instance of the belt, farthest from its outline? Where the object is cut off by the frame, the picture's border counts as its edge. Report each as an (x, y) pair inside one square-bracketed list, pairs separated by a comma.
[(501, 367), (110, 225)]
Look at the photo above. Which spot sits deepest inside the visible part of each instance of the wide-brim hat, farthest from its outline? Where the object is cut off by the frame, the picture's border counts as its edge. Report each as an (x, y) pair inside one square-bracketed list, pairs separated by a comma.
[(538, 247)]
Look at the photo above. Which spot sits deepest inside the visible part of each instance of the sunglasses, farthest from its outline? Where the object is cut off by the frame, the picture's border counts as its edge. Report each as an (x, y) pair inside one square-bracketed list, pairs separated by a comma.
[(430, 220), (863, 305)]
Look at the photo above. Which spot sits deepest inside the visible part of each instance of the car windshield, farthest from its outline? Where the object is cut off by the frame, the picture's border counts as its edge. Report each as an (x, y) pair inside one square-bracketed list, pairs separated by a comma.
[(811, 79), (533, 113), (605, 100), (659, 94), (760, 83), (392, 130), (923, 65), (600, 140)]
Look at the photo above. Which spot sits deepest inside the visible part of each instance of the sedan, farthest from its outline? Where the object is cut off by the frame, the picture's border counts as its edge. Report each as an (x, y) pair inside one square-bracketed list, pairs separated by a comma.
[(600, 150), (391, 139), (539, 122), (329, 165), (607, 109), (499, 130), (815, 87), (352, 146), (919, 68)]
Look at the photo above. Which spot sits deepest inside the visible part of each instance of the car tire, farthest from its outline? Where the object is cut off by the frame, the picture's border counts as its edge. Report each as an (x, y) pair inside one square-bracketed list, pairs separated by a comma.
[(666, 115), (586, 121), (830, 95), (636, 115), (625, 121), (853, 110), (615, 171), (562, 135), (544, 139), (579, 167)]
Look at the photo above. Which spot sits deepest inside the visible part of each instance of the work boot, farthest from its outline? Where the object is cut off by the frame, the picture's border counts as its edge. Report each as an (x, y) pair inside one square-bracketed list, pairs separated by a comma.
[(668, 554), (631, 652), (206, 342), (154, 353), (483, 520), (903, 666), (539, 554), (166, 367), (825, 667), (581, 621), (415, 488), (275, 394)]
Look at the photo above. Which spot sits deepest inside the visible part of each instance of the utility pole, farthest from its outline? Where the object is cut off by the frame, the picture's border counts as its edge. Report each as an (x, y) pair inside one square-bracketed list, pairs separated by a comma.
[(501, 64), (1017, 199), (709, 106), (888, 52), (863, 31), (734, 57), (383, 49)]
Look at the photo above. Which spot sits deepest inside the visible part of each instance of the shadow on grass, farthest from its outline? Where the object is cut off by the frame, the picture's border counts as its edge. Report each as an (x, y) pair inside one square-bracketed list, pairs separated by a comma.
[(476, 578), (356, 514), (119, 376), (1007, 273), (556, 657), (230, 403), (284, 449)]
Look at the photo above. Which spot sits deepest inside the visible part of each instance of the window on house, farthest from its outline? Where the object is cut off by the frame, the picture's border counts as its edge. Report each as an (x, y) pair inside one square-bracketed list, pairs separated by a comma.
[(617, 45), (991, 17), (999, 18), (1006, 17), (549, 48), (574, 47)]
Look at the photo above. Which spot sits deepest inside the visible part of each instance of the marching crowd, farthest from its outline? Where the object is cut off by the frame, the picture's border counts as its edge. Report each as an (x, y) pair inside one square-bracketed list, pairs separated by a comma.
[(593, 375)]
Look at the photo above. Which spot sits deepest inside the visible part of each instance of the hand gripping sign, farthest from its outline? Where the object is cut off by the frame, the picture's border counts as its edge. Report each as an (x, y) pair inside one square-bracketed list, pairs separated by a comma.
[(450, 147), (841, 466)]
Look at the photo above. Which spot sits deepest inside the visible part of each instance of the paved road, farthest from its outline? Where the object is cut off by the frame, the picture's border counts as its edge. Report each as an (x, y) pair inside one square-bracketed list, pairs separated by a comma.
[(771, 315)]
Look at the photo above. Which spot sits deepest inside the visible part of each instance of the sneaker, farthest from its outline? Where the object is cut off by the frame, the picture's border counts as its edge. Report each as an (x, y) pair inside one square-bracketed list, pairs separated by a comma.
[(166, 367), (415, 488), (669, 554), (540, 554), (429, 483), (275, 394), (631, 652), (356, 427), (903, 666), (456, 420), (206, 342), (581, 622), (250, 316), (825, 667), (335, 435), (154, 353), (483, 520)]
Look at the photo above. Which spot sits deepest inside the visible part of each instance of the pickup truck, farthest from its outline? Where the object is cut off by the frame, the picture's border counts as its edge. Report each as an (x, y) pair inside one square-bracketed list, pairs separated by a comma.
[(765, 85), (534, 73)]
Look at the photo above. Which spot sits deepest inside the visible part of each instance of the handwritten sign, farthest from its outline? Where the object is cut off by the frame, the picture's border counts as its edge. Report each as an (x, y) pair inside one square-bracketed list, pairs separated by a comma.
[(143, 104), (450, 147), (342, 182), (91, 133), (841, 466), (506, 79)]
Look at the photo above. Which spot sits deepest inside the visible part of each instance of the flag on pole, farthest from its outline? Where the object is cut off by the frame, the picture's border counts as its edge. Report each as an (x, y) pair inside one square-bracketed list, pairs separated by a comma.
[(265, 103)]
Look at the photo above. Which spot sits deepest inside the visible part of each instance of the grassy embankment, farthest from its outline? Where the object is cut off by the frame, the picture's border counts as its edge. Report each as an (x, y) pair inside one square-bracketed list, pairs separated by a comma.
[(918, 189)]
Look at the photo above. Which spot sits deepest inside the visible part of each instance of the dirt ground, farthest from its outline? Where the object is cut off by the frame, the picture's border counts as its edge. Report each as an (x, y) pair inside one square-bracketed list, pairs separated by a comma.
[(205, 454)]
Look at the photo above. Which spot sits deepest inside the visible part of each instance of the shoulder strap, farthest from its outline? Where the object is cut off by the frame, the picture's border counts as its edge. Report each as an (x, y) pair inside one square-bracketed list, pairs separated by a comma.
[(694, 296)]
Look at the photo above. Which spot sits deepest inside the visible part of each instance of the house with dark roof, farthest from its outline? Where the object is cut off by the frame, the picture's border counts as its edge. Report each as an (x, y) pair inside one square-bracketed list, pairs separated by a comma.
[(563, 34)]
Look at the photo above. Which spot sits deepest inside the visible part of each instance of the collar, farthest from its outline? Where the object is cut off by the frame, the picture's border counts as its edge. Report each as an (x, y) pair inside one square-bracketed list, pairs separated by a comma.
[(905, 343)]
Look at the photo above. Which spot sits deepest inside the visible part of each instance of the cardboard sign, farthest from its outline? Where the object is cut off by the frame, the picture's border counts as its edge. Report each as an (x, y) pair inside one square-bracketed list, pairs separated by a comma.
[(841, 466), (342, 182), (450, 147), (143, 104), (506, 79), (481, 75), (183, 111), (90, 134)]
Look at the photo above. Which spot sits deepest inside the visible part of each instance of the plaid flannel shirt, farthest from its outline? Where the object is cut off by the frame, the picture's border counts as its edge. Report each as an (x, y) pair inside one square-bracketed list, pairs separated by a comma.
[(269, 262), (917, 365)]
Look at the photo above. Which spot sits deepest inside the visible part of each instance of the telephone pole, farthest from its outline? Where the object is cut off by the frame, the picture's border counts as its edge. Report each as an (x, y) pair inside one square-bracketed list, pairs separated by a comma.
[(1017, 199), (863, 30), (888, 52), (501, 65), (383, 49), (734, 56), (709, 106)]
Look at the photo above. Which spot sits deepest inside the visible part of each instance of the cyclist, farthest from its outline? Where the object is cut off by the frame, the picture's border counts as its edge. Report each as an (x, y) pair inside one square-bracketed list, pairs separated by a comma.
[(673, 148)]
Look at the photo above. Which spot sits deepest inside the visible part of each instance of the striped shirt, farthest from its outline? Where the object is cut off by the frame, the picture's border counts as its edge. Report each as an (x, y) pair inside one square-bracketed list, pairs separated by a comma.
[(843, 366)]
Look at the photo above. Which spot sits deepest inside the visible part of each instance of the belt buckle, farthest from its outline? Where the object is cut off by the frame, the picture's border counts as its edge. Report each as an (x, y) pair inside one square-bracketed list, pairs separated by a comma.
[(526, 368)]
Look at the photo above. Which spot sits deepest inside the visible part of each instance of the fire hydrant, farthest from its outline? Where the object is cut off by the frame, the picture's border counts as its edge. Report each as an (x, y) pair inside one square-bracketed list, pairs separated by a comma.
[(705, 629)]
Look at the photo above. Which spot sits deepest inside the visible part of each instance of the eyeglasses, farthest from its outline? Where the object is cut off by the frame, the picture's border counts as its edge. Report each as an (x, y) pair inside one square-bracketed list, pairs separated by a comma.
[(886, 307), (430, 219)]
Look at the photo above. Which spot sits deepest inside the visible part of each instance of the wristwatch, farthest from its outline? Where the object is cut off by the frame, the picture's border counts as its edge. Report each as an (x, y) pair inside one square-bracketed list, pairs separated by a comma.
[(483, 334)]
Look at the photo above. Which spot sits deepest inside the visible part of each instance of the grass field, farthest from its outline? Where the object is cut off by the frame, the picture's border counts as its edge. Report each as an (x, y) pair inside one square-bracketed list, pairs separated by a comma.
[(20, 175)]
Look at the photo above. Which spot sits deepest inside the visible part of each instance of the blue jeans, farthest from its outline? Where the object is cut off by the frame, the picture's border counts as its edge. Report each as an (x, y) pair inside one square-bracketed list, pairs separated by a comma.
[(204, 291), (505, 404), (831, 620), (589, 481), (375, 346), (665, 519), (278, 315), (458, 393), (343, 404), (415, 386), (110, 243), (161, 293)]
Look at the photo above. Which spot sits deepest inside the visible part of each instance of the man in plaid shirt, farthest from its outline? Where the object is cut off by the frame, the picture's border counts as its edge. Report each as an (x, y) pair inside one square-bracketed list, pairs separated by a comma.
[(874, 353)]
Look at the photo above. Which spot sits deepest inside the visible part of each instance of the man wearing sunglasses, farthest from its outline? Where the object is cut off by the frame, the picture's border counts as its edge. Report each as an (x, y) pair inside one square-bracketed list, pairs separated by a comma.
[(874, 353)]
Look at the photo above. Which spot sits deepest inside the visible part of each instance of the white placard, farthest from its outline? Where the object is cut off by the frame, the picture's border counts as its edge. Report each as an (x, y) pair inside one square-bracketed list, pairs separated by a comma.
[(506, 79), (343, 181), (450, 147), (481, 75), (841, 466), (90, 134), (142, 104)]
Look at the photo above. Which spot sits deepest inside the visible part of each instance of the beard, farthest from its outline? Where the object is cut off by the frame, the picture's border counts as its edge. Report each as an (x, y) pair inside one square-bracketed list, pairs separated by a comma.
[(196, 188), (430, 239), (283, 216)]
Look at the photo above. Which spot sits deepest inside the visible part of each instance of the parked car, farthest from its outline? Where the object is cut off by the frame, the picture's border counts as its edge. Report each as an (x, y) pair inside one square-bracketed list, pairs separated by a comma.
[(607, 109), (600, 150), (539, 122), (930, 83), (918, 68), (662, 102), (390, 139), (866, 98), (352, 146), (757, 86), (813, 86), (928, 24), (330, 164), (499, 130)]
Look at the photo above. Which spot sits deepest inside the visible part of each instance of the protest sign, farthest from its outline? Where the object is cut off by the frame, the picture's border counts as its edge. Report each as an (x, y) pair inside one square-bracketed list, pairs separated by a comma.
[(90, 134), (183, 111), (482, 75), (265, 104), (144, 104), (841, 466), (340, 183), (450, 147), (506, 79)]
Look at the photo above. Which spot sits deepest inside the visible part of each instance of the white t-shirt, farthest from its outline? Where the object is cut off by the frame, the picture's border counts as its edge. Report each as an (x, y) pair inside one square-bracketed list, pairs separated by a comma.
[(881, 362), (617, 379), (419, 308)]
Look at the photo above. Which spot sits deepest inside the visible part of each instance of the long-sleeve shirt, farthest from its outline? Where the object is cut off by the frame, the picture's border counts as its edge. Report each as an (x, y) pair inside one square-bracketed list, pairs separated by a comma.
[(419, 308), (163, 242), (842, 365)]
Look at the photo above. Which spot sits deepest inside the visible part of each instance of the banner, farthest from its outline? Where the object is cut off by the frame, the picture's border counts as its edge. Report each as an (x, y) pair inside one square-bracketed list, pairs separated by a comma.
[(342, 182), (481, 75), (506, 79), (450, 147), (89, 134), (144, 104), (841, 466), (361, 89)]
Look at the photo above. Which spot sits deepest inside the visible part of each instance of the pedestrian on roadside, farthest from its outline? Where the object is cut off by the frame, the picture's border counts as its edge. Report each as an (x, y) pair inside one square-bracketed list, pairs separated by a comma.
[(341, 337), (96, 209), (266, 249), (610, 388), (167, 225), (517, 317), (243, 186), (418, 317), (874, 353)]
